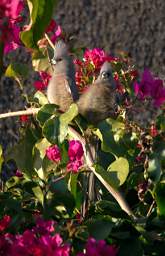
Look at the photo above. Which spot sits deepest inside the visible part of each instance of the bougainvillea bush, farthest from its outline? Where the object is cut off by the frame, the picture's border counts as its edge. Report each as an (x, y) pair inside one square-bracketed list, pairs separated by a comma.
[(45, 203)]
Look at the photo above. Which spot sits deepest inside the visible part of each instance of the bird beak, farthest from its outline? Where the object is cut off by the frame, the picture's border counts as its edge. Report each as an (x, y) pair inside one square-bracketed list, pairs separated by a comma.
[(53, 61)]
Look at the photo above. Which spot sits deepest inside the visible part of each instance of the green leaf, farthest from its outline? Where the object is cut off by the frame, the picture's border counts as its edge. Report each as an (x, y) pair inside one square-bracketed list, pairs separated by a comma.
[(41, 98), (130, 247), (46, 112), (100, 228), (118, 171), (110, 208), (39, 194), (56, 129), (17, 70), (62, 196), (22, 153), (51, 130), (160, 198), (72, 184), (105, 175), (39, 154), (65, 119), (41, 63), (154, 168), (42, 145), (41, 12), (108, 142), (13, 181)]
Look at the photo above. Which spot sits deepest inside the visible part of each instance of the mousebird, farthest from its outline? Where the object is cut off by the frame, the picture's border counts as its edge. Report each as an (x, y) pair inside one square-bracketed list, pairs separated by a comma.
[(62, 89), (100, 100)]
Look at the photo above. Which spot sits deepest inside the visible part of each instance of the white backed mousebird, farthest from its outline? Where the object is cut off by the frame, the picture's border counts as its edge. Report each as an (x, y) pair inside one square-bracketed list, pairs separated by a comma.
[(62, 89), (100, 100)]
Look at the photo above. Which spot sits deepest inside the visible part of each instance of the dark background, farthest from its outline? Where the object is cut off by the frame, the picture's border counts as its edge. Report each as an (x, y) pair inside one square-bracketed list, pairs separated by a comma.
[(136, 26)]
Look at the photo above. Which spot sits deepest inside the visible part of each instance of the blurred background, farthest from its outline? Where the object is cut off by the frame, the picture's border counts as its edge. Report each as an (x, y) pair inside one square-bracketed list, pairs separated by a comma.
[(135, 26)]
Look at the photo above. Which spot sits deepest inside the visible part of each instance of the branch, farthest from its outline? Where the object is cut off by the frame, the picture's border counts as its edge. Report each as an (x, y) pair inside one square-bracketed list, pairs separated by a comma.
[(89, 159), (90, 162), (29, 111)]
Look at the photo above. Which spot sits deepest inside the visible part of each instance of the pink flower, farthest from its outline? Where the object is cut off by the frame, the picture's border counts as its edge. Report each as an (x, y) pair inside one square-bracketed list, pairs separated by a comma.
[(75, 153), (41, 84), (96, 56), (10, 8), (44, 227), (19, 174), (4, 223), (150, 87), (99, 248), (24, 118), (54, 30), (53, 153), (9, 24), (53, 245)]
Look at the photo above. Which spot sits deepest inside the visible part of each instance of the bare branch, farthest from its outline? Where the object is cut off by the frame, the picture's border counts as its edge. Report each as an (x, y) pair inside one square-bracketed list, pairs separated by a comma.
[(29, 111), (90, 162)]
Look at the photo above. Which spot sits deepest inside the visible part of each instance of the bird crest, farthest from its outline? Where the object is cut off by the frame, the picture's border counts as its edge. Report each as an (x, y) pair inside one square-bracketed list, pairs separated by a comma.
[(60, 50)]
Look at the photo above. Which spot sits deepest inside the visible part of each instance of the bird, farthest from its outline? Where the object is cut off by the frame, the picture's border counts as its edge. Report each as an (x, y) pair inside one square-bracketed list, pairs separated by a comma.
[(62, 89), (99, 101)]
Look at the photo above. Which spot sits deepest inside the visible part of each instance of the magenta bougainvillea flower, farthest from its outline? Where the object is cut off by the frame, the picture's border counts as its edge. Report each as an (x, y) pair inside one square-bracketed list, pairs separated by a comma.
[(10, 17), (54, 30), (41, 84), (39, 241), (53, 153), (87, 69), (75, 153), (18, 174), (99, 248), (4, 223), (150, 87), (24, 118)]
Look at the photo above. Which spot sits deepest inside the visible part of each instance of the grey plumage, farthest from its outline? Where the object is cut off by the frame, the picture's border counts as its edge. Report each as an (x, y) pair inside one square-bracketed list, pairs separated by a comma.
[(100, 100), (62, 89)]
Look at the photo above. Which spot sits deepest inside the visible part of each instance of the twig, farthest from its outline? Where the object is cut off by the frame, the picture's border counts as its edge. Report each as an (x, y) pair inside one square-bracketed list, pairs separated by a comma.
[(29, 111), (90, 162), (150, 209), (49, 41), (89, 159)]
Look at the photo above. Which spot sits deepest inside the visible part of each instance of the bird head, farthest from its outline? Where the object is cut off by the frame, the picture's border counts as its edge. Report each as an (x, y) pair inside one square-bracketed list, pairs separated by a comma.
[(62, 60), (106, 71), (106, 74), (60, 52)]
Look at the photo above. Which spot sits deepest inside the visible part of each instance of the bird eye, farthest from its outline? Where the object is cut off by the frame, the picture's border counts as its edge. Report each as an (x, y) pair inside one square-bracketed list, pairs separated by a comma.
[(59, 59), (54, 61), (105, 75)]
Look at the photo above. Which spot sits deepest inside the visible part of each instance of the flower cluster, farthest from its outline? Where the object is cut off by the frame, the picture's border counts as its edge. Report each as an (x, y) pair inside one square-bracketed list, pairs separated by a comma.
[(41, 240), (150, 87), (4, 223), (75, 153), (98, 248), (88, 67), (53, 153), (43, 81), (10, 20), (53, 30)]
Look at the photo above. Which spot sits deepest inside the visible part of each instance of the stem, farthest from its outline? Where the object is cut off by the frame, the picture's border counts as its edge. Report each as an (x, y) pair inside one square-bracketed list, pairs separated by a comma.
[(90, 162), (49, 41), (29, 111), (150, 209)]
